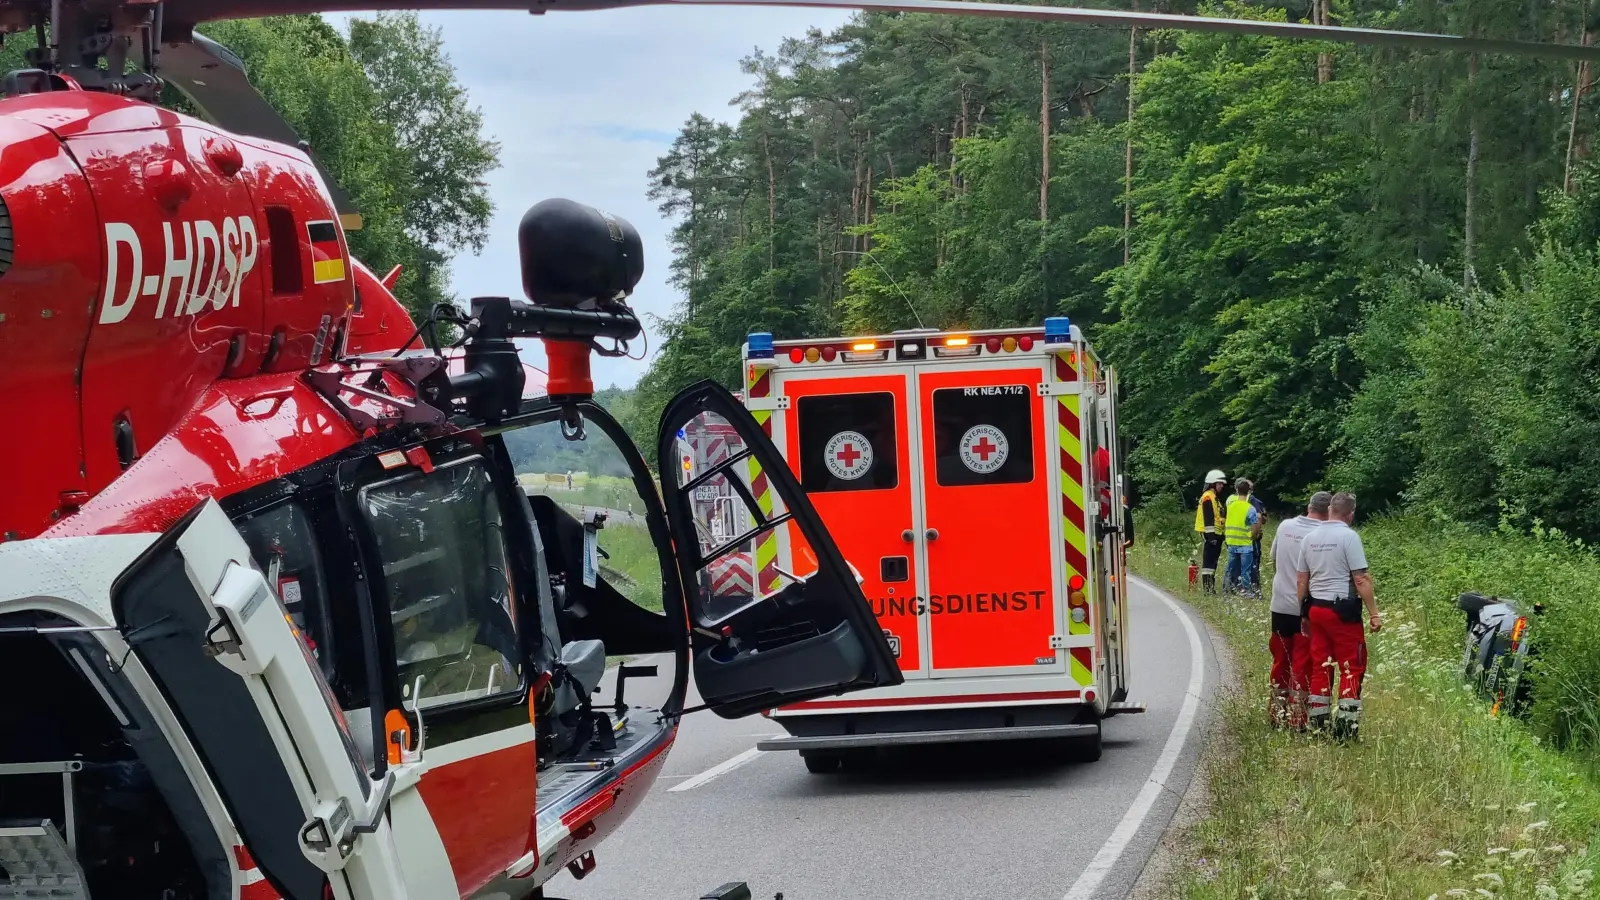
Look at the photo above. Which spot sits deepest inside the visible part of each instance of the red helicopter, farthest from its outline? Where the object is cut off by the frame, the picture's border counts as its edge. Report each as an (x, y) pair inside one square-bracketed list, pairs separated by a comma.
[(293, 619)]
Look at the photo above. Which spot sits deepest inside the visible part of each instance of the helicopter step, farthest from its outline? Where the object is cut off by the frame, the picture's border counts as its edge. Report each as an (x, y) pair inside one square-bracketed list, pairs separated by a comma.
[(38, 863)]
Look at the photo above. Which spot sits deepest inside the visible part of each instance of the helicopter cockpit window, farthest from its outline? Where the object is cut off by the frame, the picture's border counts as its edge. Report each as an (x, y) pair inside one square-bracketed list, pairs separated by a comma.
[(586, 475), (441, 543), (284, 544)]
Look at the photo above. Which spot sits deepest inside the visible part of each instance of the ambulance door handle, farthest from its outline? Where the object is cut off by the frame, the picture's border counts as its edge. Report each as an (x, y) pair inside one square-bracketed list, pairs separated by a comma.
[(932, 534), (908, 535)]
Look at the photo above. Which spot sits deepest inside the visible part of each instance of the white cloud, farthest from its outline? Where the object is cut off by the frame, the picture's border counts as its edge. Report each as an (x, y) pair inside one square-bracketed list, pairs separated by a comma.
[(583, 103)]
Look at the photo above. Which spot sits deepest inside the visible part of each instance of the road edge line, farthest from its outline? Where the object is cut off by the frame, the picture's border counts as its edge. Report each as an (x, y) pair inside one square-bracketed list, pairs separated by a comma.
[(717, 771), (1090, 879)]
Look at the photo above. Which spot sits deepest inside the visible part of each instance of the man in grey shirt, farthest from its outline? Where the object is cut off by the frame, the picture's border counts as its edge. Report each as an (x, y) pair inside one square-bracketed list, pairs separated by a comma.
[(1291, 647), (1336, 578)]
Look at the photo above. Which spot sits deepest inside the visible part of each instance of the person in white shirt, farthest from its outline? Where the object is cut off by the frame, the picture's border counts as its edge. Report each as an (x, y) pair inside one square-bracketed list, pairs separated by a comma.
[(1291, 636), (1337, 582)]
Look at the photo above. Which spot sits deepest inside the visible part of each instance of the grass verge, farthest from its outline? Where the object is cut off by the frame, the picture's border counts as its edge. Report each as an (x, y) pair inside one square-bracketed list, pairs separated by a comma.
[(1439, 799)]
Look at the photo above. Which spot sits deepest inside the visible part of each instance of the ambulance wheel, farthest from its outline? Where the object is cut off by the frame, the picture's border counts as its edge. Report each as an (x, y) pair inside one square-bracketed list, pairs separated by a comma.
[(822, 763), (1085, 749), (858, 760)]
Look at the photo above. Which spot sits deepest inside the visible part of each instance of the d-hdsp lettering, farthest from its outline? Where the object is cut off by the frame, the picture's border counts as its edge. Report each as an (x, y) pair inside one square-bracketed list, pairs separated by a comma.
[(959, 604)]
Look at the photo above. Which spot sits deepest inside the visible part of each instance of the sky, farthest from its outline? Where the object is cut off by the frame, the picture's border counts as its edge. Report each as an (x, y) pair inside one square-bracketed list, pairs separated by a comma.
[(583, 103)]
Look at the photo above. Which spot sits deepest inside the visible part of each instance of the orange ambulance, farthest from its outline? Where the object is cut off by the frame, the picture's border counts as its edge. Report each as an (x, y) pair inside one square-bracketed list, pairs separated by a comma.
[(974, 481)]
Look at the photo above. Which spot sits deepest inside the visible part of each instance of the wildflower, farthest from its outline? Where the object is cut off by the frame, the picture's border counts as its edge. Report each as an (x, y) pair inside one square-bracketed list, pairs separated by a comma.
[(1483, 893), (1491, 877), (1524, 853), (1324, 874), (1336, 887), (1458, 892), (1492, 806), (1534, 827), (1445, 854), (1526, 807), (1545, 892), (1556, 848), (1496, 851)]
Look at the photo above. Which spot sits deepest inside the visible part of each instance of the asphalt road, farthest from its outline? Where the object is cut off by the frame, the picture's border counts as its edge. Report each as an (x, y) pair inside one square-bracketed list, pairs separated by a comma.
[(990, 822)]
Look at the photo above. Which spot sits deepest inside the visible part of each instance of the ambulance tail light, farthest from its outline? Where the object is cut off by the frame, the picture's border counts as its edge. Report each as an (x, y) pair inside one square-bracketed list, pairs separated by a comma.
[(992, 345), (829, 353), (1025, 343), (1076, 602), (797, 355)]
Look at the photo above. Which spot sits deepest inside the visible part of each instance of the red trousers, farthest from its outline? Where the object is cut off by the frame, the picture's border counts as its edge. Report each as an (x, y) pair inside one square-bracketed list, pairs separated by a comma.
[(1291, 654), (1291, 671), (1336, 644)]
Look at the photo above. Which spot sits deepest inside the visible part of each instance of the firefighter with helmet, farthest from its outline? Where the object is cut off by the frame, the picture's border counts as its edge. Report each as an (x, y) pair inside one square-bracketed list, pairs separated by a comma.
[(1209, 522)]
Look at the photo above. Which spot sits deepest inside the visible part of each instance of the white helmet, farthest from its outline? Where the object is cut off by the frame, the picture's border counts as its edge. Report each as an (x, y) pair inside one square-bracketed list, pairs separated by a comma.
[(1214, 476)]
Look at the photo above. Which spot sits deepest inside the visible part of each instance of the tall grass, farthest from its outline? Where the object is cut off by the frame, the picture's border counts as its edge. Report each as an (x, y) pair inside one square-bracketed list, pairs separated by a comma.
[(1420, 567), (1439, 799)]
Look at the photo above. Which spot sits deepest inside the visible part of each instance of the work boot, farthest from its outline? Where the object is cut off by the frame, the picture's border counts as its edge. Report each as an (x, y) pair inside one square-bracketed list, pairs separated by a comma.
[(1320, 709), (1347, 722), (1297, 711), (1209, 584), (1278, 709)]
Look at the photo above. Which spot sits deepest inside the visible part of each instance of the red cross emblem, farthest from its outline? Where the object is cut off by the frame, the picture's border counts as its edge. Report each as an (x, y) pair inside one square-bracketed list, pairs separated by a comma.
[(983, 449), (849, 455)]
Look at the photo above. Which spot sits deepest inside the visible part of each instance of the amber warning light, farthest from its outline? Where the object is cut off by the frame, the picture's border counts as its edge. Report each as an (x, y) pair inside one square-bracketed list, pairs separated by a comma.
[(957, 346)]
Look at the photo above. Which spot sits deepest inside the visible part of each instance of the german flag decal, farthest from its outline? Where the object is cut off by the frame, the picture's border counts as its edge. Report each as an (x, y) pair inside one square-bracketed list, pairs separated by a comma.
[(327, 257)]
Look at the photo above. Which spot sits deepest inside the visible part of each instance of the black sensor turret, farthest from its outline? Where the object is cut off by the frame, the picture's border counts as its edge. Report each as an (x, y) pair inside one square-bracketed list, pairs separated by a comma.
[(576, 256)]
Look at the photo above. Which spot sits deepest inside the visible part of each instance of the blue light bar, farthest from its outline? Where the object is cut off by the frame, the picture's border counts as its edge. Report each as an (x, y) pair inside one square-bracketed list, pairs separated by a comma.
[(759, 345), (1057, 330)]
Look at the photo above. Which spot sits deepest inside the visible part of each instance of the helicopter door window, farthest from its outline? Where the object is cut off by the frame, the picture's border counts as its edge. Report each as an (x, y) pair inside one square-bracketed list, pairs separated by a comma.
[(587, 475), (747, 548), (287, 277), (283, 543), (441, 544)]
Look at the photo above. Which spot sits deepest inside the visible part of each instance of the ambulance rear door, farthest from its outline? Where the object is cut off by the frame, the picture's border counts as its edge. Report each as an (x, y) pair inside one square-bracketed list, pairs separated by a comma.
[(1110, 589), (847, 434), (989, 481)]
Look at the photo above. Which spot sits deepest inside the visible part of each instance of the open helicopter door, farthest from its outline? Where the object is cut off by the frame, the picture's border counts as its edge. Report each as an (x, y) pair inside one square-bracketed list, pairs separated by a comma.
[(760, 643), (244, 686)]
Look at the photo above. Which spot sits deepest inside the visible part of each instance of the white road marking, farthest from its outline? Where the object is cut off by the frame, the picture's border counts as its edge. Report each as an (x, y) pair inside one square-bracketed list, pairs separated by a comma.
[(1095, 873), (717, 770)]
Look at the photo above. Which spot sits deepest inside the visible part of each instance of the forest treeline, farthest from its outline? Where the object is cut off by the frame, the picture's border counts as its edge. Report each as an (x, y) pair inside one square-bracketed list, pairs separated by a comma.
[(381, 108), (1314, 264)]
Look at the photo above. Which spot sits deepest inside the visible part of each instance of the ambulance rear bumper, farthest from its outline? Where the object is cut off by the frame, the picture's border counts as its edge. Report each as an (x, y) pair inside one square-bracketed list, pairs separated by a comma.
[(907, 738)]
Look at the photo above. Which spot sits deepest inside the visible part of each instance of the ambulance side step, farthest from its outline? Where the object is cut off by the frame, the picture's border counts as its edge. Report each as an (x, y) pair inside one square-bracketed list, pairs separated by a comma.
[(900, 739), (1122, 708)]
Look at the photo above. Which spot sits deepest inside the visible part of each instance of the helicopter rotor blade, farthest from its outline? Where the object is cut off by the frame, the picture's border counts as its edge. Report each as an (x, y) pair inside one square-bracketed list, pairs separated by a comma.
[(1158, 21), (186, 13)]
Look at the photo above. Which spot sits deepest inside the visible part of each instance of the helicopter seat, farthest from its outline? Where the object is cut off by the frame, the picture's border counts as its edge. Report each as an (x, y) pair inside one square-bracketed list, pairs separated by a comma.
[(583, 664)]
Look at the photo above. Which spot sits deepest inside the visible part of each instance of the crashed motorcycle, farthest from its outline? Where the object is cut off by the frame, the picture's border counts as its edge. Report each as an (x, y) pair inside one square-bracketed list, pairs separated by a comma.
[(1497, 649)]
